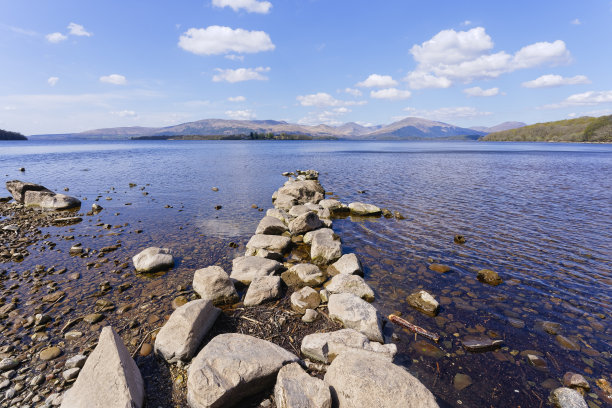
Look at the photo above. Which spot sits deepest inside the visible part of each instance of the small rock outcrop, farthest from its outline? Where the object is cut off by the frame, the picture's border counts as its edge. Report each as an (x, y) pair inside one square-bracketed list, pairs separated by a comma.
[(231, 367), (303, 274), (262, 288), (348, 264), (182, 334), (306, 191), (325, 347), (490, 277), (355, 313), (214, 284), (268, 246), (270, 225), (304, 223), (246, 268), (359, 380), (424, 302), (364, 209), (109, 378), (35, 195), (296, 389), (153, 259), (350, 284), (325, 246)]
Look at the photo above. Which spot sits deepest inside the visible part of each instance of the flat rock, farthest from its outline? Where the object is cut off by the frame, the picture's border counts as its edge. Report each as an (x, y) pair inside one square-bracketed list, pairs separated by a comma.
[(271, 226), (567, 343), (153, 259), (490, 277), (439, 268), (303, 275), (35, 195), (262, 288), (325, 347), (461, 381), (284, 201), (109, 378), (359, 380), (355, 313), (8, 363), (305, 298), (305, 223), (298, 210), (71, 374), (182, 334), (231, 367), (246, 268), (350, 284), (262, 245), (424, 302), (333, 205), (214, 284), (348, 264), (325, 247), (50, 353), (358, 208), (296, 389), (567, 398), (481, 343), (53, 297)]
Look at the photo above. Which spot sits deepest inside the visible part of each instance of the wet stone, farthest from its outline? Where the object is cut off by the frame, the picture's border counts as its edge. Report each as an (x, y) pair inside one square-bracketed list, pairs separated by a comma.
[(93, 318), (551, 327), (574, 380), (425, 348), (537, 361), (567, 343), (477, 344), (50, 353), (567, 398), (490, 277), (461, 381), (179, 301), (439, 268)]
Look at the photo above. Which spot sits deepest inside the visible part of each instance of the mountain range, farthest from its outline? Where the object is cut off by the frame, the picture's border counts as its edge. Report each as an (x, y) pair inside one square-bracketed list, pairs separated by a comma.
[(410, 128)]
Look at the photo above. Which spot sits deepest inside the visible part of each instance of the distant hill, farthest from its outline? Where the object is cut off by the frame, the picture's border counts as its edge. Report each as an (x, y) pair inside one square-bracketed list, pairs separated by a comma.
[(6, 135), (584, 129), (417, 128), (500, 127)]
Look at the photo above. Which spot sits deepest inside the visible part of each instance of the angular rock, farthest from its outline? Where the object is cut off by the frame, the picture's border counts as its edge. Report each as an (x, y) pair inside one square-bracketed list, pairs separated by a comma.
[(71, 374), (567, 398), (284, 201), (214, 284), (231, 367), (77, 361), (305, 223), (350, 284), (325, 347), (36, 195), (574, 380), (324, 246), (355, 313), (303, 275), (246, 268), (310, 315), (305, 298), (153, 259), (278, 214), (489, 276), (348, 264), (261, 244), (182, 334), (109, 378), (271, 226), (262, 288), (364, 209), (296, 389), (482, 343), (308, 191), (567, 343), (359, 380), (298, 210), (333, 205), (424, 302)]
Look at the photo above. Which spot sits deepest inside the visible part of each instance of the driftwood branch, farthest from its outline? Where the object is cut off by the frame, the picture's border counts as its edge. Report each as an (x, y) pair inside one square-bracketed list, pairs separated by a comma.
[(414, 328)]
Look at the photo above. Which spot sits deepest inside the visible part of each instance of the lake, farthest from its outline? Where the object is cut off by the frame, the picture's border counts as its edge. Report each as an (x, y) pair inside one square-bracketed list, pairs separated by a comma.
[(538, 214)]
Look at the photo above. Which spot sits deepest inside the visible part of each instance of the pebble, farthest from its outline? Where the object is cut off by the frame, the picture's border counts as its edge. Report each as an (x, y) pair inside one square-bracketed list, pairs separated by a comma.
[(50, 353), (71, 374), (73, 335), (77, 361), (93, 318), (4, 384), (310, 316), (146, 349), (8, 364), (439, 268)]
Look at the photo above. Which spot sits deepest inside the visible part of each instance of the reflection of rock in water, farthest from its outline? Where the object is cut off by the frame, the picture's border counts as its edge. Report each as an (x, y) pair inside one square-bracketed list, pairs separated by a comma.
[(223, 228)]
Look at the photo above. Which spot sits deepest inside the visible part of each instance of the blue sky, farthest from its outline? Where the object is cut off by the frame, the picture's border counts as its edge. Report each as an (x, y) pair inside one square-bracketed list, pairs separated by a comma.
[(68, 66)]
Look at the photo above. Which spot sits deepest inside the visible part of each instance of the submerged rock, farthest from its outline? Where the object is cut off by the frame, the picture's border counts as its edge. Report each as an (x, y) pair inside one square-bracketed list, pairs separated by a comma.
[(439, 268), (567, 398), (461, 381), (574, 380), (489, 276), (246, 268), (424, 302), (214, 284), (153, 259), (296, 389), (480, 343), (355, 313), (325, 347)]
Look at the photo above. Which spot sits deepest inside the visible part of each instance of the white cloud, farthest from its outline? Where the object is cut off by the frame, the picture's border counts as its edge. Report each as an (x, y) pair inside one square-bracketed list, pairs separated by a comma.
[(114, 79), (378, 81), (325, 117), (18, 30), (478, 91), (466, 23), (589, 98), (241, 74), (548, 81), (251, 6), (246, 114), (126, 114), (392, 94), (236, 99), (466, 56), (52, 81), (56, 37), (353, 91), (235, 57), (219, 40), (78, 30), (322, 99), (457, 112), (594, 113), (576, 22)]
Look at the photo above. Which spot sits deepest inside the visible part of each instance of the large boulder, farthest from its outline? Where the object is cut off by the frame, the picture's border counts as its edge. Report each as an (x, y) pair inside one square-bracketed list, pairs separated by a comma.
[(214, 284), (355, 313), (364, 209), (350, 284), (360, 380), (298, 210), (231, 367), (304, 223), (182, 334), (278, 213), (296, 389), (265, 245), (307, 191), (303, 274), (325, 246), (261, 289), (109, 378), (35, 195), (153, 259), (284, 201), (348, 264), (325, 347), (246, 268), (270, 225)]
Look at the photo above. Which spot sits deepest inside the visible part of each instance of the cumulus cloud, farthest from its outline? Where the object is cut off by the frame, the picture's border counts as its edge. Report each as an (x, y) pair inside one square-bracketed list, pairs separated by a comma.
[(478, 91), (589, 98), (378, 81), (550, 80), (466, 56), (236, 99), (457, 112), (114, 79), (55, 38), (78, 30), (245, 114), (353, 91), (52, 81), (251, 6), (215, 40), (322, 99), (392, 94), (241, 74)]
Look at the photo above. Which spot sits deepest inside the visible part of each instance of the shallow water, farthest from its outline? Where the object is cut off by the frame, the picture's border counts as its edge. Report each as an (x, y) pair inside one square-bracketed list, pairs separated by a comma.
[(538, 214)]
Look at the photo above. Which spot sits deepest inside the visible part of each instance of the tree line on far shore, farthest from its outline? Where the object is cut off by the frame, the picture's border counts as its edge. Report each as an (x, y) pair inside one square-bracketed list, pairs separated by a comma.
[(7, 135), (242, 136)]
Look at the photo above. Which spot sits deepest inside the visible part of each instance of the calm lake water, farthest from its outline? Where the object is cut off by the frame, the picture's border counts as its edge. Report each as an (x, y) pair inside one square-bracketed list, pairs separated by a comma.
[(538, 214)]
